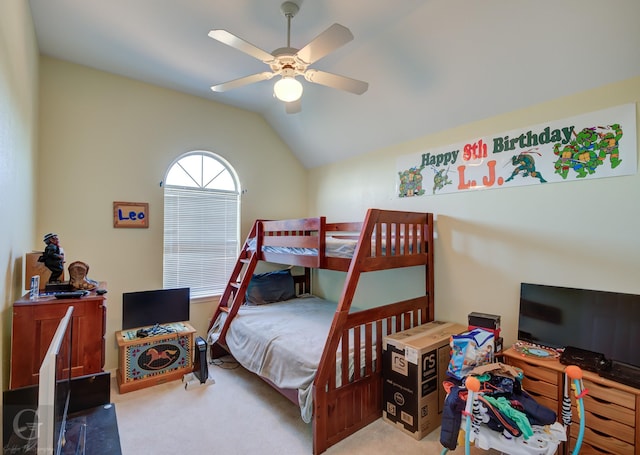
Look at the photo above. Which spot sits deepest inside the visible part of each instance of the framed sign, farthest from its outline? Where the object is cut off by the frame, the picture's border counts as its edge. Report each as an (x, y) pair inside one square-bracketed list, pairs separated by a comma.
[(130, 215)]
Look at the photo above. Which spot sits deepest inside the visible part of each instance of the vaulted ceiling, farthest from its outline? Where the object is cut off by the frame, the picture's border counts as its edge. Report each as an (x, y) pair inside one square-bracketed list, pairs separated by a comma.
[(430, 64)]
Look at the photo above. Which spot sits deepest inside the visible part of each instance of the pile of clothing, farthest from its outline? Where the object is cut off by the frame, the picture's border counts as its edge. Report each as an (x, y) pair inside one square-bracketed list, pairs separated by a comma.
[(502, 405)]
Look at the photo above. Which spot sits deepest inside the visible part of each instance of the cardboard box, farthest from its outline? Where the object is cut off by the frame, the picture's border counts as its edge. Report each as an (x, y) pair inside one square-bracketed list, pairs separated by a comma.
[(414, 365)]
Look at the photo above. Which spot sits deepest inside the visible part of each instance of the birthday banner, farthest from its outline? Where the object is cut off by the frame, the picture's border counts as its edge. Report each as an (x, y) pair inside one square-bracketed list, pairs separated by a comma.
[(595, 145)]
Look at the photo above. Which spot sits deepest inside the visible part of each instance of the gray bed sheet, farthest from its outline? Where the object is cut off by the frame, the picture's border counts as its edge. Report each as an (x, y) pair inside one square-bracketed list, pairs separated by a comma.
[(283, 342)]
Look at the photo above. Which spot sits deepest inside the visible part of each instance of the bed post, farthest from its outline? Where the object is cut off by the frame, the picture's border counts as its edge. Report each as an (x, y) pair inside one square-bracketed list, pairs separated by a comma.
[(427, 235)]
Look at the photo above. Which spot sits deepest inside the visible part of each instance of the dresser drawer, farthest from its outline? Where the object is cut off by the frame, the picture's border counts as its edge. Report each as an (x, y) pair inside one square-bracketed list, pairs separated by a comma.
[(610, 395), (603, 443), (539, 387), (544, 401), (535, 372), (604, 425), (588, 449), (607, 410)]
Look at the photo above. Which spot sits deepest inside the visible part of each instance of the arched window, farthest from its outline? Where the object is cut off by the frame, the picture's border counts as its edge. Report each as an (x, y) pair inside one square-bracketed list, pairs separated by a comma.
[(201, 223)]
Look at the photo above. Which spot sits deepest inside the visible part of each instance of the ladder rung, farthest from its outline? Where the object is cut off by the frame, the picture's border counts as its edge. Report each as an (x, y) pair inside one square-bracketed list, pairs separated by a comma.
[(235, 285), (224, 309)]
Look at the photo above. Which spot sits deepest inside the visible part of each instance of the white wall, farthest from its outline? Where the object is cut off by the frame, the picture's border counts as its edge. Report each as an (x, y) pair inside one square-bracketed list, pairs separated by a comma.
[(579, 234), (18, 151), (105, 138)]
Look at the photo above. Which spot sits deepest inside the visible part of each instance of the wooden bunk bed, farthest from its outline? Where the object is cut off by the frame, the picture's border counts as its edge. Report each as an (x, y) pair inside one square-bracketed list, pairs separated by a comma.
[(346, 389)]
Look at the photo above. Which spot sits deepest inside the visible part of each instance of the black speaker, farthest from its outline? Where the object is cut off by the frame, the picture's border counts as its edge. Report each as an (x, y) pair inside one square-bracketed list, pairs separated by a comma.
[(485, 320), (587, 360), (200, 367)]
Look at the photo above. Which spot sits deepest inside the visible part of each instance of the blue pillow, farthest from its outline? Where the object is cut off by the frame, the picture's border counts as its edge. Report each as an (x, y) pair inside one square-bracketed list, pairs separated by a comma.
[(270, 287)]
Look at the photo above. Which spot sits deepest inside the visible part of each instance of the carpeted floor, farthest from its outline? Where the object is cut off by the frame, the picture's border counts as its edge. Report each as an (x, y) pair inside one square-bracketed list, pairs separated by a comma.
[(238, 414)]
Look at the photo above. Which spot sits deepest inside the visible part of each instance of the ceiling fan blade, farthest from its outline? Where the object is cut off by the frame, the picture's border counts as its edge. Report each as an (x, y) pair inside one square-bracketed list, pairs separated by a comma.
[(326, 42), (335, 81), (242, 81), (294, 106), (238, 43)]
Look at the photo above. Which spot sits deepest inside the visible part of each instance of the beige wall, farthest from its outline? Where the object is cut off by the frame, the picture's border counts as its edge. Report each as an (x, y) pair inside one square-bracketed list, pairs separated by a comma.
[(18, 151), (105, 138), (581, 234)]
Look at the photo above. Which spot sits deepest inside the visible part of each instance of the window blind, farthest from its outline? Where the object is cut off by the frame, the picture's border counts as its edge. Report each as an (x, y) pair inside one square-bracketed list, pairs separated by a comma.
[(201, 235)]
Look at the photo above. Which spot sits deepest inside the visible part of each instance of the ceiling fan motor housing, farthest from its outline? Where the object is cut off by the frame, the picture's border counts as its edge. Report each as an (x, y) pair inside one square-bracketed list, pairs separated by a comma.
[(289, 9), (286, 59)]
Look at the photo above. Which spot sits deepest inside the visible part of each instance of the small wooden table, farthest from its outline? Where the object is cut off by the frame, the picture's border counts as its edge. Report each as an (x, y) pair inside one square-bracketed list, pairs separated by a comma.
[(156, 359)]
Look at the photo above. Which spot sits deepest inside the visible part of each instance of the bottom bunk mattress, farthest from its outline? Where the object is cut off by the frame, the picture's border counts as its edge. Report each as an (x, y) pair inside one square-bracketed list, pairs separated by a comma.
[(283, 342)]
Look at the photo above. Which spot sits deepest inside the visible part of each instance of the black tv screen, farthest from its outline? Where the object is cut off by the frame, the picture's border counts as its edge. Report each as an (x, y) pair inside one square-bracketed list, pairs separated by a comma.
[(599, 321), (162, 306)]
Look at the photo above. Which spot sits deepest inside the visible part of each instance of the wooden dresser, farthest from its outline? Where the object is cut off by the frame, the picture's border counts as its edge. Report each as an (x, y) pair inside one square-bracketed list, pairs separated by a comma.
[(35, 322), (612, 410)]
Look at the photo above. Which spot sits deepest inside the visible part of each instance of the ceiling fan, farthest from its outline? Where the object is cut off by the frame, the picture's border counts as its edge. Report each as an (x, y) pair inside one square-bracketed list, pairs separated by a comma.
[(288, 62)]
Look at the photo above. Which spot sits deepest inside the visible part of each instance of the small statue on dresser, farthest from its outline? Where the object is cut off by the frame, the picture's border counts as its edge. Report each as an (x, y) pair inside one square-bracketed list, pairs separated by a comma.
[(53, 257)]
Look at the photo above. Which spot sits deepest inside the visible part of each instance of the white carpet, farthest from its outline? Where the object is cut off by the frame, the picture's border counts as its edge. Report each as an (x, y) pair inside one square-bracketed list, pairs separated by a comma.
[(238, 414)]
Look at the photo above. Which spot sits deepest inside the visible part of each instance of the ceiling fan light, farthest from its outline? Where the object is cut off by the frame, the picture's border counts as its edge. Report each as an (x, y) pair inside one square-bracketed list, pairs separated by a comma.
[(288, 89)]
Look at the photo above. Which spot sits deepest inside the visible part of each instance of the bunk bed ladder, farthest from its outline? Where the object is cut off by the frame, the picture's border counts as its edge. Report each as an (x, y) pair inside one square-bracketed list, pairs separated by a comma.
[(234, 293)]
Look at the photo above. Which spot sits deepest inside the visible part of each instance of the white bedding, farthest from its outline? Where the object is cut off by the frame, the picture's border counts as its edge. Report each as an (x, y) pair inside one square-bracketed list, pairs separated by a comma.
[(334, 247), (283, 342)]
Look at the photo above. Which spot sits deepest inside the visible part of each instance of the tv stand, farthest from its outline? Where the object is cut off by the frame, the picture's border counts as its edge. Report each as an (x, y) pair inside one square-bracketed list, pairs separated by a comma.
[(154, 359), (611, 409)]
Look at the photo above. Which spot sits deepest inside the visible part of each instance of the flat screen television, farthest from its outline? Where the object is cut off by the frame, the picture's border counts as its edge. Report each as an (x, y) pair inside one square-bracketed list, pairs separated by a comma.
[(54, 389), (600, 321), (162, 306)]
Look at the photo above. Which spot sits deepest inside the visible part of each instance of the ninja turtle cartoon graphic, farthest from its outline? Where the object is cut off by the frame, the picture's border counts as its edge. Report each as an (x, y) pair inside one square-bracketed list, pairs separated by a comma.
[(440, 179), (411, 182), (526, 164), (588, 150), (608, 144)]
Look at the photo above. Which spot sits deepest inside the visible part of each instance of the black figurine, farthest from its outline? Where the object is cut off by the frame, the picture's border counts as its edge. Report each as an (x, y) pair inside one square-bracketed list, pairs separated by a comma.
[(53, 257)]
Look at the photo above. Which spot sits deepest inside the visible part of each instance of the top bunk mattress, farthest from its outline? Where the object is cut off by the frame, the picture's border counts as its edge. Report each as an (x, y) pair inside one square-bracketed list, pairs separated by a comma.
[(334, 247)]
